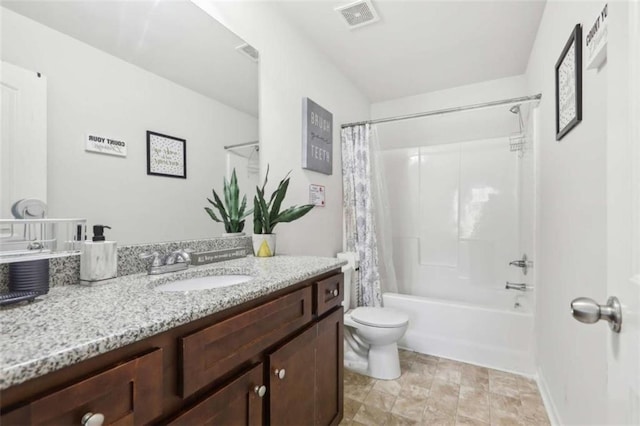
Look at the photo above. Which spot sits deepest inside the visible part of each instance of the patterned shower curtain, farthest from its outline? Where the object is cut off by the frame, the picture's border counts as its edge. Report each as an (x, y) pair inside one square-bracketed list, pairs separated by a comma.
[(359, 211)]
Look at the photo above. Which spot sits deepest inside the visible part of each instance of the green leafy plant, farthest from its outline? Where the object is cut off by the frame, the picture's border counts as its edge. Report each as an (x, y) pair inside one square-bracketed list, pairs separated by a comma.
[(267, 215), (232, 211)]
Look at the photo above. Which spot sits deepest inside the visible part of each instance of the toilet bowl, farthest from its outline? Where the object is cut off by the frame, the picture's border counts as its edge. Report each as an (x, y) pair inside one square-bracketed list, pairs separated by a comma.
[(371, 334)]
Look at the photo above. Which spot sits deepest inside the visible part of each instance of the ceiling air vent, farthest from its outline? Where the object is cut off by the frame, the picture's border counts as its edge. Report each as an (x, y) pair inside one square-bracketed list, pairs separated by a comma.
[(249, 50), (358, 14)]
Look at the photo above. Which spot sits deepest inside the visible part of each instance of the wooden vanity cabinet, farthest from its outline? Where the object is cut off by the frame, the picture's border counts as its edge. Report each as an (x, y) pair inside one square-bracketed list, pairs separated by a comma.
[(277, 360)]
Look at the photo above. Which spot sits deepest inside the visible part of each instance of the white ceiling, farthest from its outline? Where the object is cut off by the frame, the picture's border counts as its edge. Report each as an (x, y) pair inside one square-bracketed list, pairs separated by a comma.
[(173, 39), (422, 46)]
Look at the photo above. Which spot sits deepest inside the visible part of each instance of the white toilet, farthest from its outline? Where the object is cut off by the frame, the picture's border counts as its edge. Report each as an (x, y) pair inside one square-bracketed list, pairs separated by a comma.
[(371, 334)]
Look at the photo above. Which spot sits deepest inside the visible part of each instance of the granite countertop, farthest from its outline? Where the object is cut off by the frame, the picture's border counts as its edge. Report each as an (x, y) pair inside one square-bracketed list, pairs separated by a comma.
[(73, 323)]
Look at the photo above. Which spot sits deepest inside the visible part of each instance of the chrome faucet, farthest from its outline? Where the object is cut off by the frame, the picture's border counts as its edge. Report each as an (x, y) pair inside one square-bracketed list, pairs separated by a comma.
[(517, 286), (177, 260)]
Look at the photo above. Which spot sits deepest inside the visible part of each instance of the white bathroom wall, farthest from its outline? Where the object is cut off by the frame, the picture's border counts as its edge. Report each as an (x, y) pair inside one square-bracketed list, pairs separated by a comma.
[(455, 221), (469, 125), (91, 91), (571, 236), (292, 68)]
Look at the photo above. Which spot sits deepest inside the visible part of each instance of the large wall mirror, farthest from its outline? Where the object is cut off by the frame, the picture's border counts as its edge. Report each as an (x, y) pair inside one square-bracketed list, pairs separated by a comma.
[(74, 72)]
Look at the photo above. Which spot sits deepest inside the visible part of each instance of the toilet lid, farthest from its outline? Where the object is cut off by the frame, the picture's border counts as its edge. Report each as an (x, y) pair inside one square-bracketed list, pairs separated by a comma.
[(379, 317)]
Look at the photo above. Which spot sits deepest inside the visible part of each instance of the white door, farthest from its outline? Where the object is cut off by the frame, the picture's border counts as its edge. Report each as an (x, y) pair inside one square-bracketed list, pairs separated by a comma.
[(23, 143), (623, 213)]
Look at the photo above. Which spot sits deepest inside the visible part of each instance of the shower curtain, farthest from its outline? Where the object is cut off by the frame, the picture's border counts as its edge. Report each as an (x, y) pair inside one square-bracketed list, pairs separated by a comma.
[(367, 223)]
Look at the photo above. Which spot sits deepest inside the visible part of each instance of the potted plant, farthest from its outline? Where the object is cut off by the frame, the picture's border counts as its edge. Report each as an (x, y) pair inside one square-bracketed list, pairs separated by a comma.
[(266, 215), (232, 211)]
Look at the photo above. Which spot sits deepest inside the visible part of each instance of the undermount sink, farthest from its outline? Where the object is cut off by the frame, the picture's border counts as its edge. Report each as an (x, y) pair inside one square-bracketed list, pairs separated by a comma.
[(204, 283)]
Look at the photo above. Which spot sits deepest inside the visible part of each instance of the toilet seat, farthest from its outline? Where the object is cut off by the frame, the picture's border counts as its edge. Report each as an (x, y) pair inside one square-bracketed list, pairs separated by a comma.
[(379, 317)]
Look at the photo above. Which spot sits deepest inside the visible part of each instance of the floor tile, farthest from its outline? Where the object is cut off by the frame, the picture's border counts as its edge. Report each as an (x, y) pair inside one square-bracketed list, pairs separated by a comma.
[(381, 400), (503, 386), (371, 416), (504, 403), (357, 392), (437, 391), (398, 420), (350, 408), (391, 387), (409, 406), (466, 421)]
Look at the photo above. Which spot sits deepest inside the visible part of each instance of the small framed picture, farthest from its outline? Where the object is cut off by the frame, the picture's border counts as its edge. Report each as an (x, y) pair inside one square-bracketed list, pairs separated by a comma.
[(569, 85), (166, 155)]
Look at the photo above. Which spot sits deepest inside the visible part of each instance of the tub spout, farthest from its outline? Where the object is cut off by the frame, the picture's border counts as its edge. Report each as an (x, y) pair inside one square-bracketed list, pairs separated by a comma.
[(517, 286)]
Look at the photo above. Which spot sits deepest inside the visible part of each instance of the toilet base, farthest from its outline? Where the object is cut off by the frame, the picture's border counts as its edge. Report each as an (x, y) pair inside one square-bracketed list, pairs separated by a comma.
[(384, 362)]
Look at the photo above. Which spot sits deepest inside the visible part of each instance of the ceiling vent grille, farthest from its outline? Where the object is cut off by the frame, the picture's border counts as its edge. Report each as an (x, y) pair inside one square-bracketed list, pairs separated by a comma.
[(249, 50), (358, 14)]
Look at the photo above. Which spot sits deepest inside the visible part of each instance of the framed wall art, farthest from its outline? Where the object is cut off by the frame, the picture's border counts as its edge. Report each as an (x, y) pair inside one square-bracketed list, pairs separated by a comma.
[(569, 84), (166, 155), (317, 138)]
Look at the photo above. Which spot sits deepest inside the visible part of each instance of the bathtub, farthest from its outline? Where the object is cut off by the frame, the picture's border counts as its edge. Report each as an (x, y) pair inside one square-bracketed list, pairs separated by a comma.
[(499, 335)]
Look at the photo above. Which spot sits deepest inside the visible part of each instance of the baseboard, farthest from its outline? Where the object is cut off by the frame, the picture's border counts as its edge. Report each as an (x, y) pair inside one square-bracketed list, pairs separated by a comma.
[(552, 411)]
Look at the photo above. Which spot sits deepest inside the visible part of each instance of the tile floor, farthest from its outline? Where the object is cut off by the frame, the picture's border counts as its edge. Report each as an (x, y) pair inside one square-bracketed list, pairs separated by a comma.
[(438, 391)]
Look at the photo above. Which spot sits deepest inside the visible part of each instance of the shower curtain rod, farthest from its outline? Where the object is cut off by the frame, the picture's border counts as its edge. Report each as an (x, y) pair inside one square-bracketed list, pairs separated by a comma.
[(446, 110), (240, 145)]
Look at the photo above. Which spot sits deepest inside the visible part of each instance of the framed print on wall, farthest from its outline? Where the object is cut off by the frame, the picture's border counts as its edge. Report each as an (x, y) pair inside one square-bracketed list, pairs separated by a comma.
[(569, 84), (166, 155)]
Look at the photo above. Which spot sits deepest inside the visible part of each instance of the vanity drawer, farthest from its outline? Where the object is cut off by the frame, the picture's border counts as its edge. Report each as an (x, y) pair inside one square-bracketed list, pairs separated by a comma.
[(328, 293), (126, 394), (210, 353)]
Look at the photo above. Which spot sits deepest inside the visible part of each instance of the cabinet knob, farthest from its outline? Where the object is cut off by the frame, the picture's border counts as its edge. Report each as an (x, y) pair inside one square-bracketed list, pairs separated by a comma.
[(333, 292), (260, 390), (280, 373), (92, 419)]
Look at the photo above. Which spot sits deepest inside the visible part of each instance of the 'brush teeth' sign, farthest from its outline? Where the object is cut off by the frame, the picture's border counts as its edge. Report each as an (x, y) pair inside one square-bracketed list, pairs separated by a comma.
[(105, 145), (317, 137)]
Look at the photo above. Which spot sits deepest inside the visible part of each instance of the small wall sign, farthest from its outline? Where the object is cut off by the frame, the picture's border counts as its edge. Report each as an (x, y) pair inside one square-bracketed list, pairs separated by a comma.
[(596, 40), (166, 155), (105, 145), (317, 195), (317, 138)]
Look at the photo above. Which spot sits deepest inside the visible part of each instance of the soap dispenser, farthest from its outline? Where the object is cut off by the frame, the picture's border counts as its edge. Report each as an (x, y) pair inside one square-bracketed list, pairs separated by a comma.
[(99, 259)]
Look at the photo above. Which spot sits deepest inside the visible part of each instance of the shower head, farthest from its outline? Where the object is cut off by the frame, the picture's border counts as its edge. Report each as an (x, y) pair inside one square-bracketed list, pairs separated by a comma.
[(515, 109)]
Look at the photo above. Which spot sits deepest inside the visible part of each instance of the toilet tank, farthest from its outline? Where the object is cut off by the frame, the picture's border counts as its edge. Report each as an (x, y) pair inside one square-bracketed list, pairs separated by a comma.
[(349, 270)]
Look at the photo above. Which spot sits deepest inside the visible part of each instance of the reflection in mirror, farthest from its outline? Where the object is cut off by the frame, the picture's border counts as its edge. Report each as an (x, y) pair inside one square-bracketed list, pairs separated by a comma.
[(97, 77)]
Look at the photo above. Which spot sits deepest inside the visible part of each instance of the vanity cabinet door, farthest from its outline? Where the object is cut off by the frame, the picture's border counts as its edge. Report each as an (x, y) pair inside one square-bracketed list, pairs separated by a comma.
[(238, 403), (329, 369), (292, 381), (126, 394)]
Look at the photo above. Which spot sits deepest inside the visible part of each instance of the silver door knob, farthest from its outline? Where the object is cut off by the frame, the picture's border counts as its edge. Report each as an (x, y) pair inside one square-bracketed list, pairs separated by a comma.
[(280, 373), (260, 390), (588, 311), (92, 419)]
